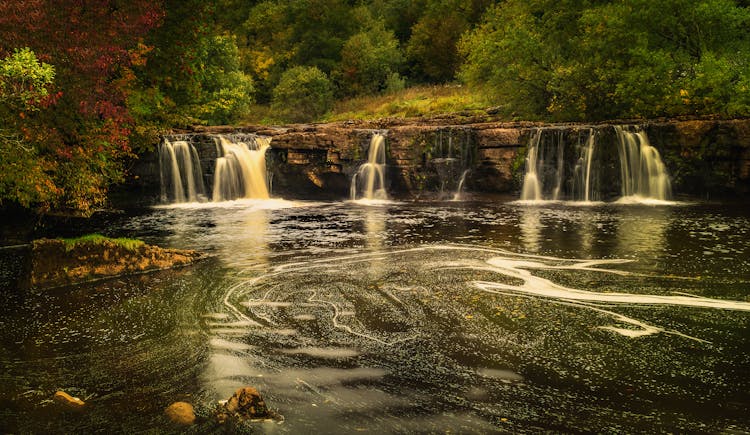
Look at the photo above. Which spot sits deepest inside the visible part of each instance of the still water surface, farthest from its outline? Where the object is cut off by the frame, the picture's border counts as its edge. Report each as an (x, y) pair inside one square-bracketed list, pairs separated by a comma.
[(469, 317)]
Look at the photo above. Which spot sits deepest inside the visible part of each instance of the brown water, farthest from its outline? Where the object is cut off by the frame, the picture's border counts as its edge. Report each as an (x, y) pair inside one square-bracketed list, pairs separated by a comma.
[(476, 316)]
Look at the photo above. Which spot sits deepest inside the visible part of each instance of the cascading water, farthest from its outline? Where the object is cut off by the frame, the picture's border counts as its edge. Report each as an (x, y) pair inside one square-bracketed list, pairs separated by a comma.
[(370, 177), (180, 172), (451, 158), (643, 173), (584, 180), (458, 196), (544, 167), (241, 169)]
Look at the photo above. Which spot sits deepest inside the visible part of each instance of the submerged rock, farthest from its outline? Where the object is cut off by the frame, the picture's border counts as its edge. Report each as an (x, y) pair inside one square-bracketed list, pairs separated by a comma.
[(246, 403), (181, 413), (64, 399), (56, 263)]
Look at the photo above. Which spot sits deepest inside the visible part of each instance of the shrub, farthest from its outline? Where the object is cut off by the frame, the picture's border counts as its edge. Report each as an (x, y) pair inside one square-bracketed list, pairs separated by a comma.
[(303, 94)]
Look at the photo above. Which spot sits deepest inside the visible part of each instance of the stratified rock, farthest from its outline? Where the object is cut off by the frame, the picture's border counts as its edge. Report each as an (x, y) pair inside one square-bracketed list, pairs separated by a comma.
[(64, 399), (181, 413)]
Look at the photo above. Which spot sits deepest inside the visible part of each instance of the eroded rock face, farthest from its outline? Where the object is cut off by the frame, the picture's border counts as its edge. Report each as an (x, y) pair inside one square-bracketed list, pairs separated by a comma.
[(53, 265)]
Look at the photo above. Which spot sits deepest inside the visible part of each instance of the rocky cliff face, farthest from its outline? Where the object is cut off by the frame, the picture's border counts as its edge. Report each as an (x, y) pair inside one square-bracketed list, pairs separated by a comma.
[(428, 157)]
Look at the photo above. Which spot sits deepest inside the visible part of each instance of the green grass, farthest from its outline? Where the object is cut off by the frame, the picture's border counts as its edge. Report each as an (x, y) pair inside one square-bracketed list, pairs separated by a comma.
[(411, 102), (95, 239), (417, 101)]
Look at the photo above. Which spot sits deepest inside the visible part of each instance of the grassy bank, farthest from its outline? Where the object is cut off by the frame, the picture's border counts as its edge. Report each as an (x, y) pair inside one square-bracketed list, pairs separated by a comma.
[(418, 101)]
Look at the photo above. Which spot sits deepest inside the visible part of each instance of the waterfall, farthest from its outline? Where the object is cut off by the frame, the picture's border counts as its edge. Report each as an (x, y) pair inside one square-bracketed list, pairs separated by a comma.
[(241, 169), (458, 196), (180, 172), (583, 173), (544, 167), (642, 171), (450, 158), (370, 176)]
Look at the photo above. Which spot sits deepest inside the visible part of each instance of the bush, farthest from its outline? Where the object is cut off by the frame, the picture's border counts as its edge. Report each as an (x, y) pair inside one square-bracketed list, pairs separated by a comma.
[(303, 94), (368, 60)]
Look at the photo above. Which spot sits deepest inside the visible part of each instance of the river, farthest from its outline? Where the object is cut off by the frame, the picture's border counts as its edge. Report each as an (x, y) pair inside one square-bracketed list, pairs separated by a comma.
[(475, 316)]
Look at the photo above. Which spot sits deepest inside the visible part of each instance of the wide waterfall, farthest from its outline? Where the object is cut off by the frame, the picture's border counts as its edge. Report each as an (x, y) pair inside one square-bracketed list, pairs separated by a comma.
[(582, 166), (370, 177), (180, 172), (241, 169), (644, 175)]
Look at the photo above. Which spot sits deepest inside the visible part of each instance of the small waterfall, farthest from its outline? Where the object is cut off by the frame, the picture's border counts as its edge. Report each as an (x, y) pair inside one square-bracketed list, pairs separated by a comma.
[(370, 177), (459, 190), (544, 168), (180, 172), (642, 171), (451, 157), (241, 169), (584, 179)]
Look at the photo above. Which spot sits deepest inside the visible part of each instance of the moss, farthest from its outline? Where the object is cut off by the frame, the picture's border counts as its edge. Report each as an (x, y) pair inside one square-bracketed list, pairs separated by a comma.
[(98, 239)]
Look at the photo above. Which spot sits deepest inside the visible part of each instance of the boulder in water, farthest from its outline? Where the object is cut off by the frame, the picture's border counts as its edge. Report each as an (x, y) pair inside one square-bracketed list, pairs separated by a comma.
[(246, 403), (181, 413)]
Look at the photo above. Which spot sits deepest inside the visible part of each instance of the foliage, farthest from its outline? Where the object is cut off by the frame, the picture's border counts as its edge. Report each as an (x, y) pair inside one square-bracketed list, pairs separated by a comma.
[(432, 48), (74, 143), (369, 59), (590, 60), (194, 72), (303, 94)]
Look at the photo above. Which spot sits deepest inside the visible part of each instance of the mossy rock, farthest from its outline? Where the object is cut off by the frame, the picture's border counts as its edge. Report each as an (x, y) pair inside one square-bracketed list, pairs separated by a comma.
[(59, 262)]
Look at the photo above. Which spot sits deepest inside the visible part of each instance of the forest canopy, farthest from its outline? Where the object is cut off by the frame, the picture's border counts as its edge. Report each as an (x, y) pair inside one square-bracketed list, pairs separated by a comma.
[(86, 84)]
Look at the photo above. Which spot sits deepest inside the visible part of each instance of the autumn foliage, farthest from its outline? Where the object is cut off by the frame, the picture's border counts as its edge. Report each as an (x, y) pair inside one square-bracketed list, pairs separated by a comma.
[(78, 132)]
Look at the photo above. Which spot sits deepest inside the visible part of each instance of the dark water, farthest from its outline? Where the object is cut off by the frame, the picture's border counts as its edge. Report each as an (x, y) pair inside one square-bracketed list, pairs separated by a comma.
[(466, 317)]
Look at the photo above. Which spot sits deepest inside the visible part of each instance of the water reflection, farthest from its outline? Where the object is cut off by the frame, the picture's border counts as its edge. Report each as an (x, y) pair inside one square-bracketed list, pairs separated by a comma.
[(374, 227), (531, 228), (244, 237), (642, 235)]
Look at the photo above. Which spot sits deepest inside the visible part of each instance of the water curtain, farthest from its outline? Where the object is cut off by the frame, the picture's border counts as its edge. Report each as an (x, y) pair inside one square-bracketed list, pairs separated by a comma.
[(370, 177), (241, 168), (180, 172), (551, 176), (643, 172)]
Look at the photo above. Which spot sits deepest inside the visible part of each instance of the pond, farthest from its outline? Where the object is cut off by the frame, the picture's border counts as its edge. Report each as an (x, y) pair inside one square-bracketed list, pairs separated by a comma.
[(469, 317)]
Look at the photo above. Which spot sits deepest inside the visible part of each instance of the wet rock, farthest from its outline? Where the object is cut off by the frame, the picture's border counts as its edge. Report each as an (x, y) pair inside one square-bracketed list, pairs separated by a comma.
[(66, 400), (181, 413), (246, 403)]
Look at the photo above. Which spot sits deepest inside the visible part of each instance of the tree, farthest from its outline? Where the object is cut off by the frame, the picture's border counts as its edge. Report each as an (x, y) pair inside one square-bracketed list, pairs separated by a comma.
[(92, 45), (369, 58), (303, 94), (24, 90), (593, 60), (432, 48)]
